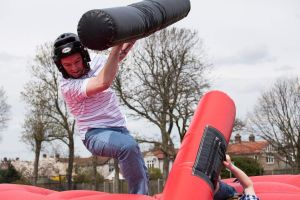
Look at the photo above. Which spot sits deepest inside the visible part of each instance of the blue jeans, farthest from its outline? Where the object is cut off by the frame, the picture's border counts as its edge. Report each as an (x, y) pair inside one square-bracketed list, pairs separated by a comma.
[(225, 191), (119, 144)]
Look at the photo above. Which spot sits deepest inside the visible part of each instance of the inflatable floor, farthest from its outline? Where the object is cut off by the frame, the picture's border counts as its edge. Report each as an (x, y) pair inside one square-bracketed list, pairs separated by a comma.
[(274, 187), (195, 171)]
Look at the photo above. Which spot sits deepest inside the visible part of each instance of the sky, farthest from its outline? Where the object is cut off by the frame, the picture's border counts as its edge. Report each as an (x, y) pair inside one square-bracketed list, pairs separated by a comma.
[(250, 44)]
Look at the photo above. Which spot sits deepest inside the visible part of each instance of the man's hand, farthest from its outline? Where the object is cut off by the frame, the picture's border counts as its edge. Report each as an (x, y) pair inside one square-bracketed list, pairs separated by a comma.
[(125, 49)]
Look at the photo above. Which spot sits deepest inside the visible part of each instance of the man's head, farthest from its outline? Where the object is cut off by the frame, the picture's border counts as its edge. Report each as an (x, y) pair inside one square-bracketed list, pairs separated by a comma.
[(70, 56)]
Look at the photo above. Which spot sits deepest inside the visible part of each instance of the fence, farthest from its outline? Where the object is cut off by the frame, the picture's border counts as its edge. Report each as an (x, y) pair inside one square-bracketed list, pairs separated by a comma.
[(155, 186), (281, 171)]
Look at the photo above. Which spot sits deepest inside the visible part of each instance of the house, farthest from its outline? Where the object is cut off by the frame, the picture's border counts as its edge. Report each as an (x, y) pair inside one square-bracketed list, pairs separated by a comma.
[(104, 165), (4, 164), (54, 166), (49, 166), (261, 151), (155, 158)]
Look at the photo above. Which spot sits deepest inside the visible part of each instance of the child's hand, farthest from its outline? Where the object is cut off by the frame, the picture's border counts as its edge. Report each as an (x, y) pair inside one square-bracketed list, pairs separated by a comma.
[(227, 163)]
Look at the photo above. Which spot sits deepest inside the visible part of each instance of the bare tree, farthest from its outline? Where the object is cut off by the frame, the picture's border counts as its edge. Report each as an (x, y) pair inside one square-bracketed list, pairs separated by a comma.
[(163, 83), (34, 135), (239, 125), (45, 74), (37, 125), (276, 118), (4, 109)]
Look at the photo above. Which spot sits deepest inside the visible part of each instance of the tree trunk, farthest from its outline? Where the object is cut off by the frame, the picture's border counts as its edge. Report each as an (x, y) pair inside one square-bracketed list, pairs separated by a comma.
[(96, 185), (70, 163), (36, 162), (116, 186), (165, 168)]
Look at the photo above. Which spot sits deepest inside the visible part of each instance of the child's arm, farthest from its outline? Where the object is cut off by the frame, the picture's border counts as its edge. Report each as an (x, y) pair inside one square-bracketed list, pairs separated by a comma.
[(240, 175)]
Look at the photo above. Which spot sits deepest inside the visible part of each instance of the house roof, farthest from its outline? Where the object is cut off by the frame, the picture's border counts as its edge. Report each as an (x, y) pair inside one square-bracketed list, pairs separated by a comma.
[(239, 148), (244, 148), (157, 153)]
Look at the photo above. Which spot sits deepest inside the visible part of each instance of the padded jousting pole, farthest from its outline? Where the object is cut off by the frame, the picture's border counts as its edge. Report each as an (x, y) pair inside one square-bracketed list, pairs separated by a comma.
[(198, 163), (100, 29)]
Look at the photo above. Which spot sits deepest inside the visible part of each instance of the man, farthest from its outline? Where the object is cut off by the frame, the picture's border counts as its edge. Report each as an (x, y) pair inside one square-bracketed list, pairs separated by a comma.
[(102, 126)]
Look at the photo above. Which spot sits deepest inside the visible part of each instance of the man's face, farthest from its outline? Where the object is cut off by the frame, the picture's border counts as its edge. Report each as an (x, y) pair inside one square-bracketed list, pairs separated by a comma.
[(73, 65)]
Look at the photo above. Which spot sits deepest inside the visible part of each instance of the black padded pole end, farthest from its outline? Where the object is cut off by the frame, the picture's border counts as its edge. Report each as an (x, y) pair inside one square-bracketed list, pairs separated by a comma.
[(96, 30), (101, 29)]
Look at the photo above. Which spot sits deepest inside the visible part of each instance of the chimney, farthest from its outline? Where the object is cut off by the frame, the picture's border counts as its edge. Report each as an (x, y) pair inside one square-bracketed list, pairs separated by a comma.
[(251, 138), (237, 138)]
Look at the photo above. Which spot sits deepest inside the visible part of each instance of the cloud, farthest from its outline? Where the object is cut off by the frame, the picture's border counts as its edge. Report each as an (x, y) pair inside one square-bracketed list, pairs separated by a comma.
[(249, 56), (7, 57), (4, 9), (284, 68)]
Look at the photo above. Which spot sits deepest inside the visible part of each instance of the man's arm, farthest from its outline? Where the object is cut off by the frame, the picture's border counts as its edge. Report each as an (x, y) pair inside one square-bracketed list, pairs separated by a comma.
[(107, 75), (240, 175)]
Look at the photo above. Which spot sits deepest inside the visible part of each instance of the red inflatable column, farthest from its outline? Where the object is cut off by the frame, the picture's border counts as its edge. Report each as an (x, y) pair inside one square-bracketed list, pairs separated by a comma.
[(199, 160)]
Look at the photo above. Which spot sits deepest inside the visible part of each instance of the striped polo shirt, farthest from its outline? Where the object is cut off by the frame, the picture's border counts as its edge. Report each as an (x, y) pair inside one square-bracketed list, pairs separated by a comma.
[(98, 111)]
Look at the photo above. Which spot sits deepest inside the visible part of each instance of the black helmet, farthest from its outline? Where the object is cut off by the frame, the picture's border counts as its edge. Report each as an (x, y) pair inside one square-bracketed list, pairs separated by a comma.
[(65, 45)]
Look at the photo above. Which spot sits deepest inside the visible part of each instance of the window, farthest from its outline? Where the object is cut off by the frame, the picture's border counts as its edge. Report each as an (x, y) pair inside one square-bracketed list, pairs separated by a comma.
[(150, 164), (270, 159), (255, 157), (269, 148), (111, 166)]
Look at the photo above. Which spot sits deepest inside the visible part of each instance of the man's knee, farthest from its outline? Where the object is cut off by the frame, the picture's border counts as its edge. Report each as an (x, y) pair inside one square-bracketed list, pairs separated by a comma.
[(131, 149)]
